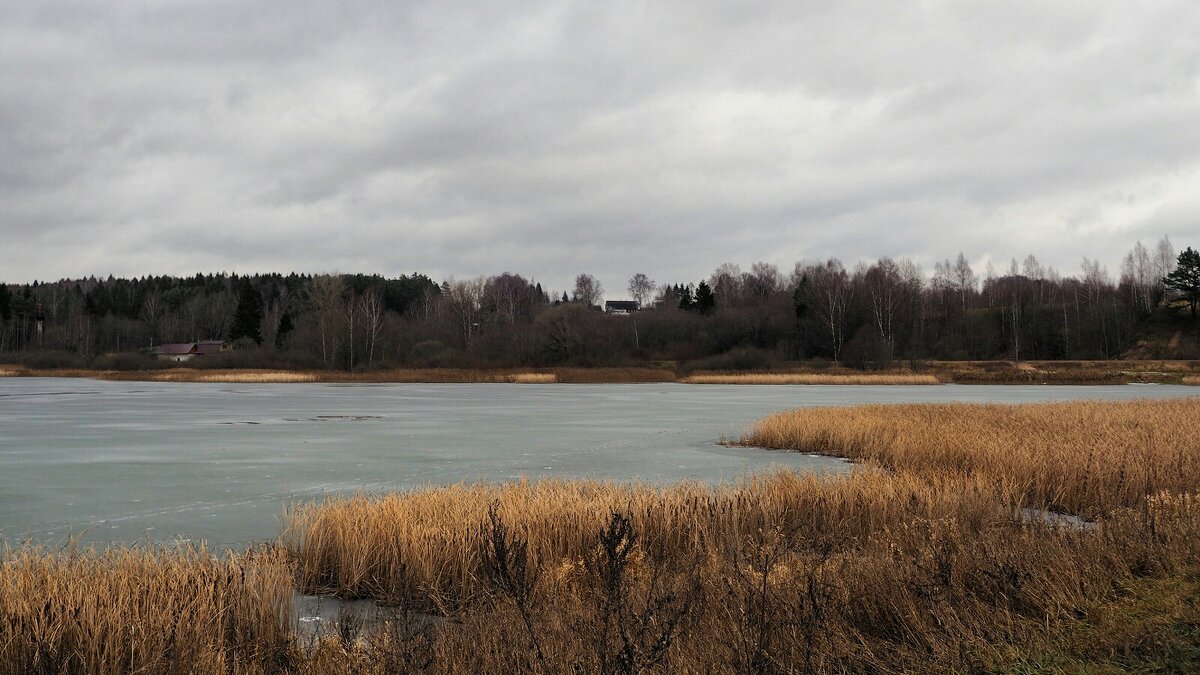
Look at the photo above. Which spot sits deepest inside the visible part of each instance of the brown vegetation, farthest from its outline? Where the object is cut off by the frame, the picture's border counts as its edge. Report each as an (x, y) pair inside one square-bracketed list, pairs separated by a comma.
[(415, 375), (1062, 372), (926, 558), (810, 378), (1083, 458), (152, 610)]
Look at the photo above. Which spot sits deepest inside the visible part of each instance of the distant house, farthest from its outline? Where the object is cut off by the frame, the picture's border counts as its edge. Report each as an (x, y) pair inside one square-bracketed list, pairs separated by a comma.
[(621, 306), (205, 347), (186, 351)]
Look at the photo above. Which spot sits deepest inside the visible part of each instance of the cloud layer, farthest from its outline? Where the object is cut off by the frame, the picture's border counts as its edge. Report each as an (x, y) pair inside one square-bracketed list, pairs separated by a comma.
[(551, 138)]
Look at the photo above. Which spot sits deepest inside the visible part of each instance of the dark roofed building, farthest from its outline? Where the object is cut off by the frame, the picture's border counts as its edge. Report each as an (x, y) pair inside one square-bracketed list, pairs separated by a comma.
[(186, 351), (206, 347), (621, 306)]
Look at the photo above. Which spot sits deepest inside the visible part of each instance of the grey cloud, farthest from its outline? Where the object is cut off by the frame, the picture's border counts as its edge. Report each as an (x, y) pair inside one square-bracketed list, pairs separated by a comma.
[(551, 138)]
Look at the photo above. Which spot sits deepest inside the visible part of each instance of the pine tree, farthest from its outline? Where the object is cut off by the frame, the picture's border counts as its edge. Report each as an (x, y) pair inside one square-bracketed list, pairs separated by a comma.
[(1186, 277), (247, 318)]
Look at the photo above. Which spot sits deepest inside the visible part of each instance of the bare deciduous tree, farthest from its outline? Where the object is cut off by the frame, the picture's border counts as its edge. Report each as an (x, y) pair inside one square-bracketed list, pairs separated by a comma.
[(465, 301), (588, 290), (370, 308), (325, 296), (641, 288)]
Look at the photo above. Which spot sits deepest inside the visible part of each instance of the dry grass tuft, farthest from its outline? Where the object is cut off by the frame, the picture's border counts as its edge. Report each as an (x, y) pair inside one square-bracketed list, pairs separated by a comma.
[(811, 378), (11, 371), (143, 610), (1192, 380), (531, 378)]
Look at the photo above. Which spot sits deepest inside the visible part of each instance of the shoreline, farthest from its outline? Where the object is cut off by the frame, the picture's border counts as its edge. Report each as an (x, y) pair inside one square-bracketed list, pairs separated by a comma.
[(940, 372)]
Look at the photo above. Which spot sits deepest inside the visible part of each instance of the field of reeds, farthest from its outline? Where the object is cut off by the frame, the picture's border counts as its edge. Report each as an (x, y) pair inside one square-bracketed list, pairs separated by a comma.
[(411, 375), (810, 378), (1192, 380), (948, 549), (944, 551), (151, 610)]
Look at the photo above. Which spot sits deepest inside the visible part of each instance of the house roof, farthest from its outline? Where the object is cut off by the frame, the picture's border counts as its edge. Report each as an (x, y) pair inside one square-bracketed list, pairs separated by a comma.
[(175, 349), (209, 346), (622, 304)]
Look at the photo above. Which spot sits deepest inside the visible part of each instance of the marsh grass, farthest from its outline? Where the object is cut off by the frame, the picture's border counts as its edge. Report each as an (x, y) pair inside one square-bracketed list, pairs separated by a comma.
[(919, 560), (177, 609), (233, 376), (1081, 458), (1192, 380), (811, 378)]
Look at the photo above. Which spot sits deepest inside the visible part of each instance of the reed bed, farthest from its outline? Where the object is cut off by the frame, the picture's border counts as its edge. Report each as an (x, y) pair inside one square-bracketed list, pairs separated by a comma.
[(1082, 458), (10, 371), (146, 610), (811, 378), (419, 547), (925, 558), (1192, 380), (233, 376), (531, 378)]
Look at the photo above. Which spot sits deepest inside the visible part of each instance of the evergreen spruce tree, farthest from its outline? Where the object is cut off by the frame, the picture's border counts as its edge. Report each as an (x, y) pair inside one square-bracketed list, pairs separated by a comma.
[(1186, 277), (285, 326), (685, 297), (705, 300), (5, 303), (247, 318)]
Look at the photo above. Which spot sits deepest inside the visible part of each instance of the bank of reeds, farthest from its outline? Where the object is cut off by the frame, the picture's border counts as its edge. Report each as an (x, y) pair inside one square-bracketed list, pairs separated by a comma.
[(233, 376), (926, 558), (810, 378), (395, 375), (1192, 380), (418, 547), (144, 610), (1083, 458)]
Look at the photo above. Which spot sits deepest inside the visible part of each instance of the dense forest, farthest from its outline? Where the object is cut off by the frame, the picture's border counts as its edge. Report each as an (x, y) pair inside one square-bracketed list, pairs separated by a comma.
[(870, 315)]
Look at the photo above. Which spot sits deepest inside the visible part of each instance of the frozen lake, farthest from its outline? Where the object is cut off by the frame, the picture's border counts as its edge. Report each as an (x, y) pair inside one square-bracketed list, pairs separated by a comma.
[(122, 461)]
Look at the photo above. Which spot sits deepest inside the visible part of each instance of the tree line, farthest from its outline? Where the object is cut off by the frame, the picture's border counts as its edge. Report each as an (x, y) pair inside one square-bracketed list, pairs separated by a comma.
[(870, 314)]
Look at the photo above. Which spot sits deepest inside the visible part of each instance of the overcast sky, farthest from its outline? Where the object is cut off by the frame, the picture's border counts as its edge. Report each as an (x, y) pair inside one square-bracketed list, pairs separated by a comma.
[(551, 138)]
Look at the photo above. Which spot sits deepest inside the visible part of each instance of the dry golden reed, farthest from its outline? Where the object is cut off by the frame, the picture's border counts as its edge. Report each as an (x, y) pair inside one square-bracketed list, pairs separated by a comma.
[(421, 547), (932, 556), (143, 610), (1192, 379), (233, 376), (1084, 458), (531, 378), (811, 378)]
